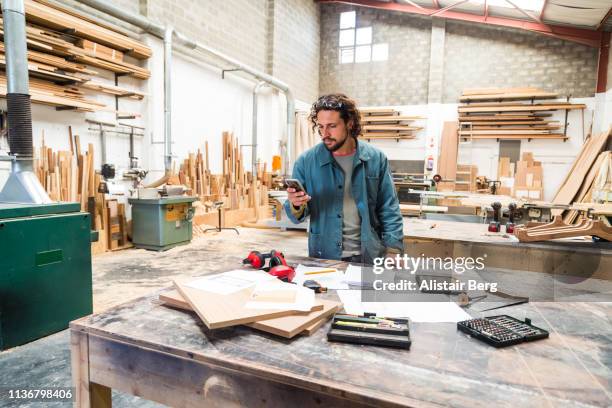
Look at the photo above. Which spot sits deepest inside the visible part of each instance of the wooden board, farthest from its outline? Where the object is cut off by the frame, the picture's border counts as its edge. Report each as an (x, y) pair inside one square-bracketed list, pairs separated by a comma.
[(378, 111), (390, 127), (576, 176), (520, 108), (398, 118), (218, 310), (286, 326), (509, 96), (447, 163), (552, 136), (58, 20)]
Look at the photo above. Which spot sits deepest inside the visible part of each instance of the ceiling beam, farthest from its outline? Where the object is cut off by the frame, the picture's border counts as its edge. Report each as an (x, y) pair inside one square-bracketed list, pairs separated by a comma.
[(603, 21), (578, 35), (602, 64), (524, 12), (442, 10), (412, 3), (543, 8)]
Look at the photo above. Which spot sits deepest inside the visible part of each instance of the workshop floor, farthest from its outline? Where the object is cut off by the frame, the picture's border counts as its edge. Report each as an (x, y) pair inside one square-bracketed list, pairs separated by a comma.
[(121, 276)]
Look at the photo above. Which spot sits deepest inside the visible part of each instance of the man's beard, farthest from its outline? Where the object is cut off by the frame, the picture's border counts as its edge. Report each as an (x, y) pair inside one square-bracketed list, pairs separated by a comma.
[(337, 146)]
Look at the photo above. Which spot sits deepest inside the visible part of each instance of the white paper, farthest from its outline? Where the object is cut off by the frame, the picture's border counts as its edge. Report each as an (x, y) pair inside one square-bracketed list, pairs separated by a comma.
[(423, 312), (330, 280), (352, 276), (229, 282)]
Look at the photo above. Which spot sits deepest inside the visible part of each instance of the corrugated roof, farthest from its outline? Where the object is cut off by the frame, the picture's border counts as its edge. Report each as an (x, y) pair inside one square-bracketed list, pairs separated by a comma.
[(578, 13)]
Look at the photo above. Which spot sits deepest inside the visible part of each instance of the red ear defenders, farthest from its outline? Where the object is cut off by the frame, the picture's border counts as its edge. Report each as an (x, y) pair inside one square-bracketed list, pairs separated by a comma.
[(277, 266), (256, 259)]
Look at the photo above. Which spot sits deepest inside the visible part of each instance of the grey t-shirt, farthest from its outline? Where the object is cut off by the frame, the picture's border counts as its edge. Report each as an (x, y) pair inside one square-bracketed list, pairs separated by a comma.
[(351, 220)]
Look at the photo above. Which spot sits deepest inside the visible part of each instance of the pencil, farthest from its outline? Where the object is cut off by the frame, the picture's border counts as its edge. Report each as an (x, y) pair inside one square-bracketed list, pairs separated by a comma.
[(327, 270)]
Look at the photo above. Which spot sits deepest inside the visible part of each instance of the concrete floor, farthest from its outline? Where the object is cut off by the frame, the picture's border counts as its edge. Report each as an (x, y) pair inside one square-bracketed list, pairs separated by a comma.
[(121, 276)]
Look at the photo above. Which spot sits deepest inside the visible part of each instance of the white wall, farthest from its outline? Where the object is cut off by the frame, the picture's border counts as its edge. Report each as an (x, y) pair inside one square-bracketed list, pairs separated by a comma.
[(556, 156)]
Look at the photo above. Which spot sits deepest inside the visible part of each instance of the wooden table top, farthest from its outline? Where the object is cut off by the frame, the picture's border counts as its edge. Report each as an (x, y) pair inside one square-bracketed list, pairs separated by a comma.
[(444, 367)]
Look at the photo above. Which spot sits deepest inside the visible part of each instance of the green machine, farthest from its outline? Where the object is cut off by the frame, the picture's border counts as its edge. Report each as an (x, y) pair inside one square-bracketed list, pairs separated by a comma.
[(45, 269), (161, 223)]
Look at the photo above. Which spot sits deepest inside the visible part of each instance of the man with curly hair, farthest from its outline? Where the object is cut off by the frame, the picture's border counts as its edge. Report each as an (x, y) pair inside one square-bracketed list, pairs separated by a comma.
[(350, 198)]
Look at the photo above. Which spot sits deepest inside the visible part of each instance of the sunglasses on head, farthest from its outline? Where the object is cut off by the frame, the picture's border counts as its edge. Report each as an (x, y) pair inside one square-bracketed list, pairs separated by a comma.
[(329, 105)]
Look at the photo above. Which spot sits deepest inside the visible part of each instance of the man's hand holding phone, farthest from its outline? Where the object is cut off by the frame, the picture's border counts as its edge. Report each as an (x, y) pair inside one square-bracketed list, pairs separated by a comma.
[(296, 193)]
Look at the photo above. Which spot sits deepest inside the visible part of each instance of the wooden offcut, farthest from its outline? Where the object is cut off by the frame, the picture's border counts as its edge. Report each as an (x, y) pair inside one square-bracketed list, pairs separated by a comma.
[(218, 310), (285, 326)]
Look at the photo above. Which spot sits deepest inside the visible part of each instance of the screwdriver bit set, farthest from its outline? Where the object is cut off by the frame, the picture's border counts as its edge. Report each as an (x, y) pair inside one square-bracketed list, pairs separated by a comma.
[(502, 330)]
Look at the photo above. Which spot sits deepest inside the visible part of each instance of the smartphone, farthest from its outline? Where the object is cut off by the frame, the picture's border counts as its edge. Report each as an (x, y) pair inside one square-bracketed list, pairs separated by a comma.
[(294, 183)]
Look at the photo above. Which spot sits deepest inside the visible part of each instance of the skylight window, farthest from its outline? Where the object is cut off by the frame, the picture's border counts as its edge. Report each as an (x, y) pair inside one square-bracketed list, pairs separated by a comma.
[(527, 5)]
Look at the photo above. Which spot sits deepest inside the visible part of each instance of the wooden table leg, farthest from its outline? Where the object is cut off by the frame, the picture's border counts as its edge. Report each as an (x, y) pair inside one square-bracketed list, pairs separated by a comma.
[(87, 394)]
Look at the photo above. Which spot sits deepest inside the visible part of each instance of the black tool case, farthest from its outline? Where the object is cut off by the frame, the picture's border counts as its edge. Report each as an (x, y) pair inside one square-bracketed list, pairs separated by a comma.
[(502, 330), (368, 329)]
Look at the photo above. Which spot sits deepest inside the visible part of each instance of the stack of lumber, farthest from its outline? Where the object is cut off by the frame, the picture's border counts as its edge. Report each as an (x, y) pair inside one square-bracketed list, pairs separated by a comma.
[(602, 186), (505, 175), (69, 176), (235, 186), (218, 310), (489, 114), (382, 123), (447, 162), (62, 45), (528, 178), (43, 13), (578, 183), (465, 179)]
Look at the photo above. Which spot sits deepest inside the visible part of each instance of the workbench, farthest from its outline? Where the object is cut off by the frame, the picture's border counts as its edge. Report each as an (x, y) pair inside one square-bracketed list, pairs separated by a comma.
[(169, 356), (581, 258)]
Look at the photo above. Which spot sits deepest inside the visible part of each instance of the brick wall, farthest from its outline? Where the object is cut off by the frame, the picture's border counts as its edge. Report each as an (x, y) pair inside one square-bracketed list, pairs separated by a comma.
[(295, 52), (234, 27), (484, 56), (401, 80), (474, 56)]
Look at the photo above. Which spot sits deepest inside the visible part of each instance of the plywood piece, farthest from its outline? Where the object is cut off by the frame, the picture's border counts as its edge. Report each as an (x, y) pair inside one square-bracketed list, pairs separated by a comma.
[(285, 326), (447, 164), (218, 310)]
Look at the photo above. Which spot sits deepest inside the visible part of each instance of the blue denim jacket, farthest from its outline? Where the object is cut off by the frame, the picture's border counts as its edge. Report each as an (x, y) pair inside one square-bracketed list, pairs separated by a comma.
[(374, 193)]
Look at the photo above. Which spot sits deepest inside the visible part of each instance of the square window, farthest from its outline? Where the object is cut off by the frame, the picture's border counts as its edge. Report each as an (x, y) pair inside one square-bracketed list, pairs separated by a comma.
[(363, 53), (364, 35), (347, 55), (380, 52), (347, 38), (347, 19)]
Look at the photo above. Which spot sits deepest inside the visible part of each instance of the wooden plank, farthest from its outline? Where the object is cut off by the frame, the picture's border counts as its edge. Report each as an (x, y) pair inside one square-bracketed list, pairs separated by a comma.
[(552, 136), (447, 163), (59, 20), (377, 111), (218, 310), (390, 127), (390, 119), (504, 132), (591, 149), (520, 108), (285, 326), (509, 96), (497, 91)]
